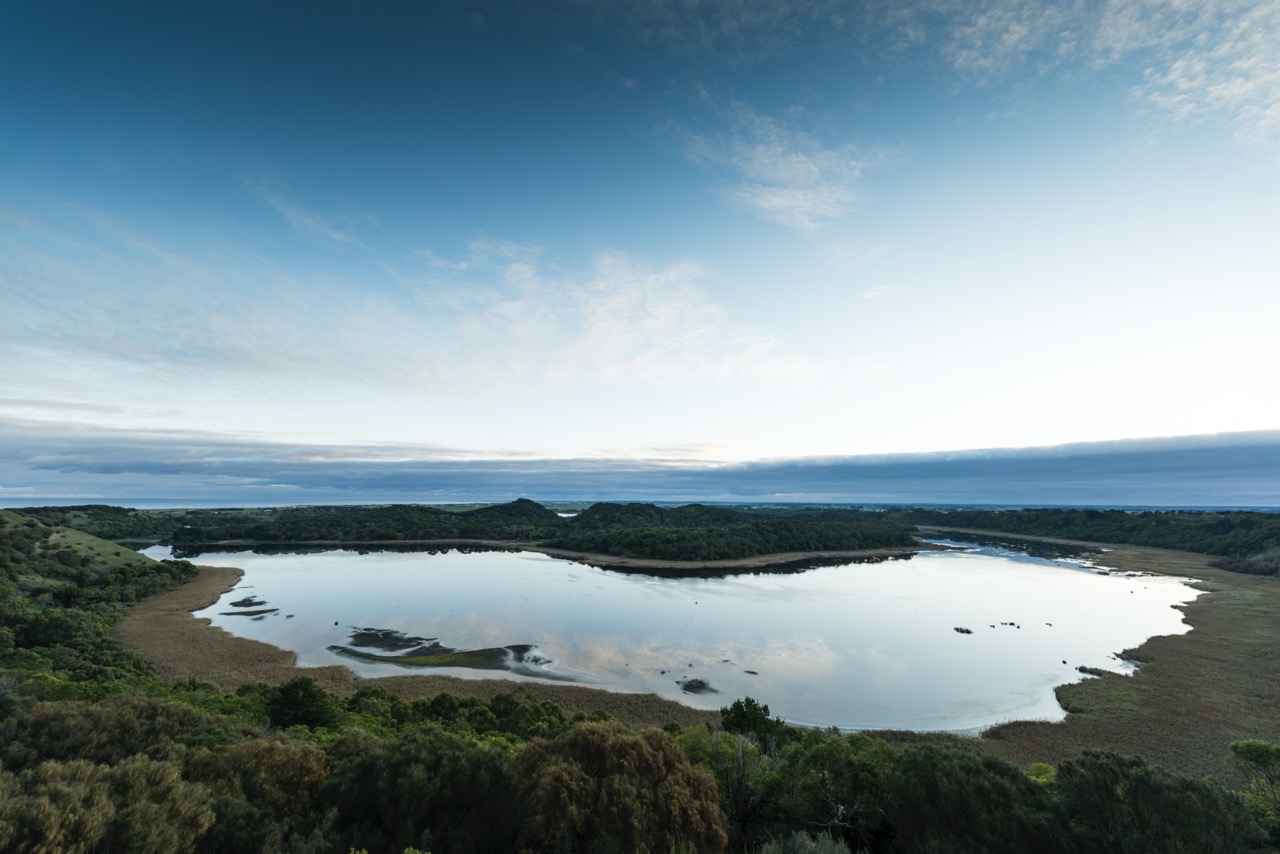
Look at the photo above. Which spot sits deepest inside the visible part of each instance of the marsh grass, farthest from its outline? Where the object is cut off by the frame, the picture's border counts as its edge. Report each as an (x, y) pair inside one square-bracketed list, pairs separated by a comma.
[(1191, 697), (163, 630)]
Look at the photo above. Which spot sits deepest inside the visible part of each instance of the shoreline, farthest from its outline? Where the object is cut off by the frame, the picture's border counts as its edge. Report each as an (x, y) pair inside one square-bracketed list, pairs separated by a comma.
[(1192, 694), (601, 561), (164, 630)]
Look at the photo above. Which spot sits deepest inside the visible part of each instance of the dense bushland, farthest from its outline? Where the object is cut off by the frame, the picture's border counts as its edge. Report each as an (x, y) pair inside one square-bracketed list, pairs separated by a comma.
[(692, 532), (97, 753)]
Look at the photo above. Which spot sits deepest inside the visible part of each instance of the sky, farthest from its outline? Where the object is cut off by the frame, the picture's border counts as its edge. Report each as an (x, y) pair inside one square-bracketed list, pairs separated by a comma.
[(643, 235)]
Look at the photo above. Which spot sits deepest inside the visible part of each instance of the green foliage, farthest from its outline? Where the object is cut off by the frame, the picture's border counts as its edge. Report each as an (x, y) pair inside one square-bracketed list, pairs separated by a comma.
[(108, 762), (1228, 533), (136, 805), (693, 532), (950, 799), (300, 702), (746, 779), (109, 732), (428, 788), (60, 591), (696, 532), (805, 843), (602, 788), (1123, 805), (838, 783), (1262, 796), (748, 717)]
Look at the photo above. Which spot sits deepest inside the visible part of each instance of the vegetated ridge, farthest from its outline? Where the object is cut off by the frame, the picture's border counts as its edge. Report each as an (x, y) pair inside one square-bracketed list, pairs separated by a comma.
[(691, 533)]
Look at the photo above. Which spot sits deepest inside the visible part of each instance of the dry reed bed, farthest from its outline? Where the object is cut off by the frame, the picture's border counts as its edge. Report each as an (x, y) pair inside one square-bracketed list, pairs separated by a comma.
[(1193, 694), (163, 630)]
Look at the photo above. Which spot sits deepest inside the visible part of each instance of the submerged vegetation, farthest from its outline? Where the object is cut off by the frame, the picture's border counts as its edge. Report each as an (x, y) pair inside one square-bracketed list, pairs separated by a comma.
[(100, 753)]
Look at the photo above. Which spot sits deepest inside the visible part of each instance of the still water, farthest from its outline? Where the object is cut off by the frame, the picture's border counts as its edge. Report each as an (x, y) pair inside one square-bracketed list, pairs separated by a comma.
[(860, 646)]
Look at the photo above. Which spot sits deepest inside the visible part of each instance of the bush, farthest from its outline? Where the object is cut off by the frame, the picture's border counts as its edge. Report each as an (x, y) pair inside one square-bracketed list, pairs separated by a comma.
[(602, 788)]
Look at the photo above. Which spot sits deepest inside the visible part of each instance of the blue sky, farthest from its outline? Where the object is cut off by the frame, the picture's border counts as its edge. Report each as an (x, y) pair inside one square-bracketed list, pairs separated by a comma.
[(636, 233)]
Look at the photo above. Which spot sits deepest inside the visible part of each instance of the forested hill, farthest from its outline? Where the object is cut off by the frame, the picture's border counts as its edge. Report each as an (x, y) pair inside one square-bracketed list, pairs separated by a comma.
[(694, 532), (60, 590), (698, 532)]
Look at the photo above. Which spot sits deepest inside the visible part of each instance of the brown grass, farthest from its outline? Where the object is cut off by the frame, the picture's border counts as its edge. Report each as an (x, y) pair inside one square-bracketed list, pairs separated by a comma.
[(179, 646), (1192, 696)]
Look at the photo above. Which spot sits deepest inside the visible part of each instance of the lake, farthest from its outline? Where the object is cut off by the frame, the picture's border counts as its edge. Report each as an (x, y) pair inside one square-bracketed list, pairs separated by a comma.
[(859, 646)]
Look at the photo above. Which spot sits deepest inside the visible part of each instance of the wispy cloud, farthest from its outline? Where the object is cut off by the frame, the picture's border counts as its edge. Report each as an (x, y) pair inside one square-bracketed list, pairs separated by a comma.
[(311, 225), (780, 172), (624, 319), (878, 291), (1199, 58), (1231, 69), (173, 321)]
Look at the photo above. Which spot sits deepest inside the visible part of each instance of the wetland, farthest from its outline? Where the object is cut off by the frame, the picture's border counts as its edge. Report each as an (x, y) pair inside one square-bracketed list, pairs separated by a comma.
[(857, 646)]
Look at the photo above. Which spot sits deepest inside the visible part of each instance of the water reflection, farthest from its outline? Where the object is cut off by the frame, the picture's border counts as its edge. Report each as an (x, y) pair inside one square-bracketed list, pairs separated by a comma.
[(856, 645)]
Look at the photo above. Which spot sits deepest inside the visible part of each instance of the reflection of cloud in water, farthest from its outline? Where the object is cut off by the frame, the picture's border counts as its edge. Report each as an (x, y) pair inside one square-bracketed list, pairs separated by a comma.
[(855, 645), (883, 667)]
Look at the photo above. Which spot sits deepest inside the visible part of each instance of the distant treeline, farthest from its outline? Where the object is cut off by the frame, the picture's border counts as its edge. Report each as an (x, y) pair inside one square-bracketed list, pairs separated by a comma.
[(1247, 541), (98, 753), (692, 532), (1252, 539)]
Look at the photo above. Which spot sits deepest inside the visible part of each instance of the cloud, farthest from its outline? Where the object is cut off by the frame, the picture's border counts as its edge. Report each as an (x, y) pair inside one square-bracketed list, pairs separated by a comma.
[(77, 463), (173, 321), (1231, 69), (781, 173), (622, 320), (878, 291), (1198, 58), (310, 225)]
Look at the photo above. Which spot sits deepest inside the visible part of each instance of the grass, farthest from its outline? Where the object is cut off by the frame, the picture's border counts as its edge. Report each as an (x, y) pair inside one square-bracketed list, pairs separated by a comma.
[(163, 630), (1193, 695)]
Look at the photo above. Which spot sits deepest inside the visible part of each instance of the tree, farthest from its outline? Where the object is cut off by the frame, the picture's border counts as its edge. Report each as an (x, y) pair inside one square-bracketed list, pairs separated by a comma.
[(1124, 805), (301, 702), (427, 788), (952, 799), (749, 717), (1262, 796), (602, 788), (838, 784)]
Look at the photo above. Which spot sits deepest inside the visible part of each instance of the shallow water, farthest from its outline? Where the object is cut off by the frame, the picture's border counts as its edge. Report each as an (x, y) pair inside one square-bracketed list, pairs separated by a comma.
[(861, 646)]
